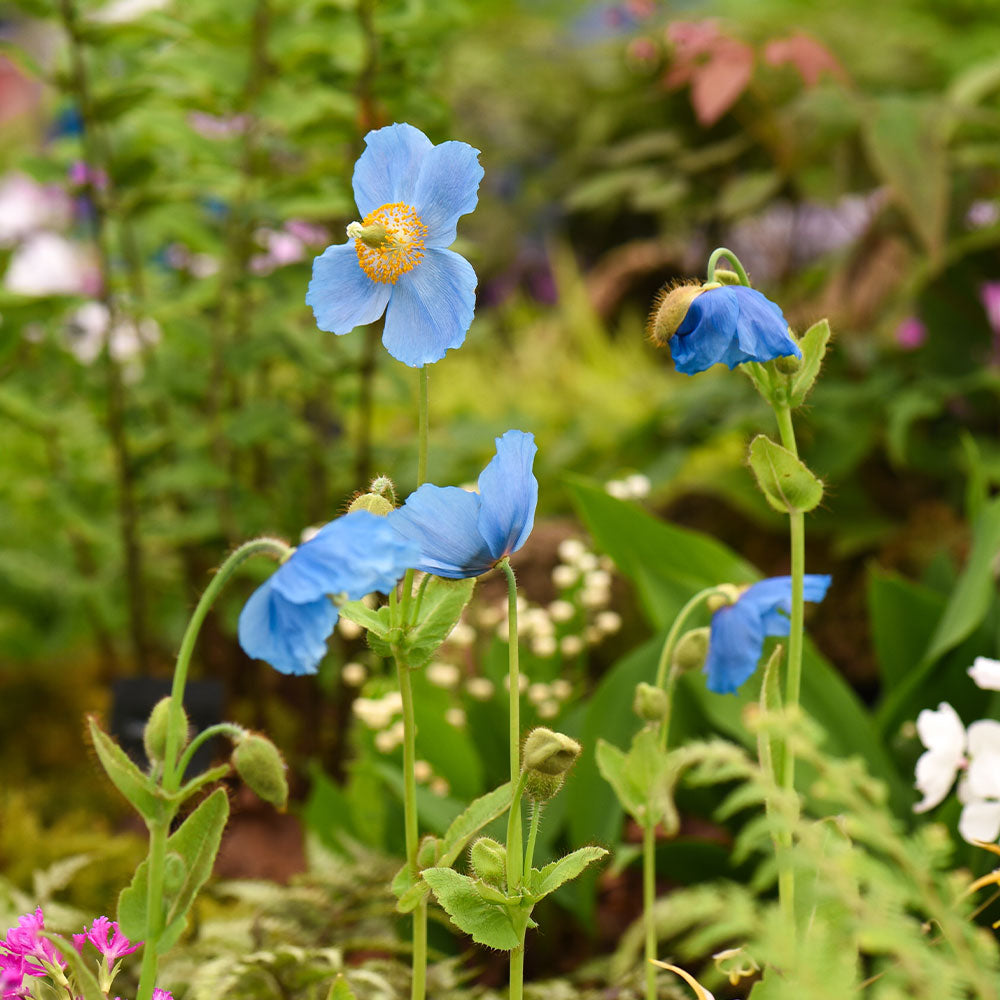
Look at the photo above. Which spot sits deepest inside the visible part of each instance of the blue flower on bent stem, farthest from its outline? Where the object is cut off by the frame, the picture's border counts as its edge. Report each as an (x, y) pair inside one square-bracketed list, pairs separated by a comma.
[(289, 617), (731, 324), (463, 534), (410, 194), (736, 637)]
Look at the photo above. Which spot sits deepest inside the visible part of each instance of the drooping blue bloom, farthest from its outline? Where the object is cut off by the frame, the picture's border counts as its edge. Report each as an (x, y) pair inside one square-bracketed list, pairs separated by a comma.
[(731, 324), (290, 616), (464, 534), (736, 637), (410, 194)]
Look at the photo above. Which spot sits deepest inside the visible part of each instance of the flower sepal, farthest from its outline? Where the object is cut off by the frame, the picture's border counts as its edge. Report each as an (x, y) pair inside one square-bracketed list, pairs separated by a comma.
[(787, 484)]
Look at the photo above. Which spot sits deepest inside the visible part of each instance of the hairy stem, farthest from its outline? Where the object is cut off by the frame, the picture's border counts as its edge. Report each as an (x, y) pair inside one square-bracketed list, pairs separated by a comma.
[(648, 901)]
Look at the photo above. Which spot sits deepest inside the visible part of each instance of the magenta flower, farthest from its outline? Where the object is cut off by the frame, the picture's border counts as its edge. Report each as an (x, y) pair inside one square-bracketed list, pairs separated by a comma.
[(989, 295), (107, 939), (911, 333), (24, 943)]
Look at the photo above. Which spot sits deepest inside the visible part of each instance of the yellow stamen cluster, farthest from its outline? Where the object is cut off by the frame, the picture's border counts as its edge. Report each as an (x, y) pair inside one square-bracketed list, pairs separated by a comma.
[(401, 249)]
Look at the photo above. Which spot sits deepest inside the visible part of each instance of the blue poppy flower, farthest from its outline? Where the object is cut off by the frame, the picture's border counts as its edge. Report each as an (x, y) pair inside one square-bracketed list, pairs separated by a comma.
[(736, 637), (410, 194), (731, 324), (464, 534), (290, 616)]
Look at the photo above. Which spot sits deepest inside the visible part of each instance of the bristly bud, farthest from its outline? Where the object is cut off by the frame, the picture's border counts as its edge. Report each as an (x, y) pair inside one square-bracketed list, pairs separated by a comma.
[(787, 365), (260, 765), (650, 702), (380, 498), (724, 277), (728, 594), (691, 650), (548, 752), (427, 852), (154, 736), (489, 861), (669, 309)]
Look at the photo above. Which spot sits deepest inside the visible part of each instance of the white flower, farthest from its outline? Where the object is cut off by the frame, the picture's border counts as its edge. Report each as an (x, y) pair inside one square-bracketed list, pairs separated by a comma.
[(571, 645), (570, 549), (462, 635), (943, 734), (26, 206), (538, 693), (480, 688), (608, 622), (544, 646), (564, 576), (353, 674), (49, 264), (561, 611), (444, 675), (455, 717), (986, 673)]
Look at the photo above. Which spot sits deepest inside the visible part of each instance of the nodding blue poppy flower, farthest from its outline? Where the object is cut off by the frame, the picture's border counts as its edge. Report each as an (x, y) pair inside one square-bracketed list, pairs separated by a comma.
[(289, 617), (464, 534), (730, 324), (736, 636), (410, 194)]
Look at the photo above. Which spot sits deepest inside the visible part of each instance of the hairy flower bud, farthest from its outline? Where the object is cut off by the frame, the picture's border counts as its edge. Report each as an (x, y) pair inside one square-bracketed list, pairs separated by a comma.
[(259, 764), (548, 752), (380, 498), (729, 593), (669, 309), (154, 736), (489, 861), (650, 702), (691, 650)]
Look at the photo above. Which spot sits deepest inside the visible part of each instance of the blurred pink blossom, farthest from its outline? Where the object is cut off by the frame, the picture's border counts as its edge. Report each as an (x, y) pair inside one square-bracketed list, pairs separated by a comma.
[(911, 333)]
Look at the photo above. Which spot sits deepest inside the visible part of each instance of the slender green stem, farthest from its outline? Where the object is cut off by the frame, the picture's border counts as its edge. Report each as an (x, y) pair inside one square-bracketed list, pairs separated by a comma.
[(517, 969), (648, 901), (409, 759), (515, 835), (158, 833), (713, 263), (229, 729), (515, 873), (418, 988), (271, 546), (529, 851)]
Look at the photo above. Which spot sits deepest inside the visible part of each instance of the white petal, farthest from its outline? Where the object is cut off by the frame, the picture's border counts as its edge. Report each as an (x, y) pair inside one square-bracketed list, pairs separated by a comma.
[(942, 731), (935, 774), (986, 673), (980, 820), (984, 776), (963, 793), (984, 737)]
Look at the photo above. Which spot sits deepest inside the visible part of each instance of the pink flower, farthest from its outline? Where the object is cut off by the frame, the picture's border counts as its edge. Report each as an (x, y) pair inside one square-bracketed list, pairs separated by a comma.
[(911, 333), (23, 943), (107, 939), (989, 295)]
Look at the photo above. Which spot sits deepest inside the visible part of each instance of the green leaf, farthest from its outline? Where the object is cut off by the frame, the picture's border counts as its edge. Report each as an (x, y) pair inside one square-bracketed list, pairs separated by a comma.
[(746, 192), (196, 844), (139, 789), (788, 486), (340, 990), (559, 872), (487, 923), (478, 814), (611, 762), (375, 622), (642, 778), (813, 347), (770, 701), (905, 139), (85, 979), (441, 606)]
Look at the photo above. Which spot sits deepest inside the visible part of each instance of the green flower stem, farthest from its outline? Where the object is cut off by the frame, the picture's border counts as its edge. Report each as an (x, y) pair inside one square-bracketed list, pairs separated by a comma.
[(713, 263), (648, 901), (669, 681), (158, 833), (229, 729), (529, 852), (517, 969), (270, 546), (514, 827)]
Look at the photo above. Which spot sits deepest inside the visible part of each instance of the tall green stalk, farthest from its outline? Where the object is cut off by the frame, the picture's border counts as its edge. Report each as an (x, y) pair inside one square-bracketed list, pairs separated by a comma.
[(173, 769)]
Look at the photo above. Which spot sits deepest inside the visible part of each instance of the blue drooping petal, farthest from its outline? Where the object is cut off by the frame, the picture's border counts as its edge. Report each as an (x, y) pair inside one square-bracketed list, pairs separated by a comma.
[(730, 325), (736, 638), (706, 332), (509, 494), (341, 295), (446, 189), (291, 637), (354, 555), (388, 169), (443, 521), (431, 309)]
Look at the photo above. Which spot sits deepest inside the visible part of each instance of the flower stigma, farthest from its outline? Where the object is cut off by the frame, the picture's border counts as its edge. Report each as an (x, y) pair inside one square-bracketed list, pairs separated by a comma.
[(389, 241)]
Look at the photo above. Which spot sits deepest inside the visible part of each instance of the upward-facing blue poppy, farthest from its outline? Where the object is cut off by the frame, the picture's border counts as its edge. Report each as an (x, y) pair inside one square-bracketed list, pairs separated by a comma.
[(736, 637), (464, 534), (290, 616), (730, 324), (410, 194)]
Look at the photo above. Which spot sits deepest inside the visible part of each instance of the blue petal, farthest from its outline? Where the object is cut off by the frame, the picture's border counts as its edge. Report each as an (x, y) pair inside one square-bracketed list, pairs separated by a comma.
[(387, 170), (509, 494), (431, 309), (354, 555), (772, 599), (762, 329), (735, 643), (706, 333), (342, 296), (443, 521), (291, 637), (447, 188)]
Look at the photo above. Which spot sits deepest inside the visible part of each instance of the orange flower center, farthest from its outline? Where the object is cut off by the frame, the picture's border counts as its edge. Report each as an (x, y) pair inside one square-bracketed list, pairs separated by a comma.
[(385, 258)]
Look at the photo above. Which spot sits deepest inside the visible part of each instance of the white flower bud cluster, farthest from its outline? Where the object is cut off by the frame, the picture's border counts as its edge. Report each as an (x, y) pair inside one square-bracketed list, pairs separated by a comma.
[(633, 487)]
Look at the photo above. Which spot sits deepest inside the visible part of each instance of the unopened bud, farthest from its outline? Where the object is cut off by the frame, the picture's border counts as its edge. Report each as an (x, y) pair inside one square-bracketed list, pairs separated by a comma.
[(154, 736), (669, 309), (489, 861), (380, 498), (787, 364), (650, 702), (726, 277), (259, 764), (548, 752), (728, 593), (691, 650), (427, 852)]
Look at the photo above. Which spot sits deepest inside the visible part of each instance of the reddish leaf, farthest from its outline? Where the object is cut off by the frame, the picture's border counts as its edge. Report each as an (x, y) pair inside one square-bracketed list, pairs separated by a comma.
[(811, 58)]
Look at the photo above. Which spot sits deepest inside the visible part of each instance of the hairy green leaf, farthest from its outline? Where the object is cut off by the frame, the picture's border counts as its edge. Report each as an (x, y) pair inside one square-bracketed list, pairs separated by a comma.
[(487, 923)]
